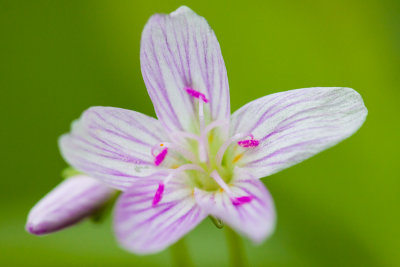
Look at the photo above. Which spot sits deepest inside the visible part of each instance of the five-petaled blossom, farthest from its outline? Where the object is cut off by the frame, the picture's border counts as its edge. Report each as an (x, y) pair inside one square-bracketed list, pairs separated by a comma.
[(197, 159)]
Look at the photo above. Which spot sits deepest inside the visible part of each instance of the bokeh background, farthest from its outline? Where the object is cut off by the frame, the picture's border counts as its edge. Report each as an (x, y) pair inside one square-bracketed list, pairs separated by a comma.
[(340, 208)]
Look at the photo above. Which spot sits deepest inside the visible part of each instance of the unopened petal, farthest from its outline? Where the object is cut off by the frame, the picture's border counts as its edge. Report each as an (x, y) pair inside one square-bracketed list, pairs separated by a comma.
[(294, 125), (250, 211), (180, 54), (68, 203), (113, 145), (144, 227)]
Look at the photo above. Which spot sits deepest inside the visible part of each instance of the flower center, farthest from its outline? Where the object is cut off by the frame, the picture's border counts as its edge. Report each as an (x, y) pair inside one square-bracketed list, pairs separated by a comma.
[(205, 158)]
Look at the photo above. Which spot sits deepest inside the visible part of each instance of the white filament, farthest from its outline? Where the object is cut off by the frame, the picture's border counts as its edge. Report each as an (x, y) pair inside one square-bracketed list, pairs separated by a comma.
[(178, 148), (220, 182), (203, 155)]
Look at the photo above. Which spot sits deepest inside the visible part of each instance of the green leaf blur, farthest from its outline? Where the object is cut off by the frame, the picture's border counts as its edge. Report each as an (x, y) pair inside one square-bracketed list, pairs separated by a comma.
[(340, 208)]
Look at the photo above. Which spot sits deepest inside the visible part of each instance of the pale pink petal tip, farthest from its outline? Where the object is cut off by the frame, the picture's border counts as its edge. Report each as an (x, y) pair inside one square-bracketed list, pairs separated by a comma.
[(39, 229), (184, 38), (158, 195)]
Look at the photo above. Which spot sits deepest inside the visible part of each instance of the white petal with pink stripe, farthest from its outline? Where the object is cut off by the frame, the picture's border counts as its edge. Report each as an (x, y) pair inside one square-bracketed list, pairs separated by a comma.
[(145, 228)]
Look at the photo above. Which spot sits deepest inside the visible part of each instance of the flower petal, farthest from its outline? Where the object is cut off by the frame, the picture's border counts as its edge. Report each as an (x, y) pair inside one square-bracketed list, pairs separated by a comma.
[(254, 219), (145, 228), (68, 203), (113, 145), (295, 125), (180, 51)]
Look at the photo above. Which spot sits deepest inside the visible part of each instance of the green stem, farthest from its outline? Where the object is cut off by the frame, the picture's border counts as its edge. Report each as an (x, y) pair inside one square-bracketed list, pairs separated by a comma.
[(237, 257), (180, 254)]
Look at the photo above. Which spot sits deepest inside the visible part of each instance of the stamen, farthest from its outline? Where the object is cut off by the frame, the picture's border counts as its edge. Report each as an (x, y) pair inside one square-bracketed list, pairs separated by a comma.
[(159, 194), (161, 186), (236, 201), (249, 143), (202, 145), (160, 157), (175, 147), (196, 94), (224, 147)]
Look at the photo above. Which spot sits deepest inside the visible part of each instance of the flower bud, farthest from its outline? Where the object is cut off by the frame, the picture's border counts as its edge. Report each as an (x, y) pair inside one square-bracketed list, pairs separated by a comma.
[(71, 201)]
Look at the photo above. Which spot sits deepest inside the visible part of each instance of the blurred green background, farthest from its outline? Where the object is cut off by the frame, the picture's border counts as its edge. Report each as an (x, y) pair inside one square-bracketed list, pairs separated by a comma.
[(340, 208)]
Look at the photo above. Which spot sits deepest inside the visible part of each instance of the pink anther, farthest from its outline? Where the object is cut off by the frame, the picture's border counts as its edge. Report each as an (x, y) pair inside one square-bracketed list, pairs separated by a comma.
[(196, 94), (161, 156), (159, 193), (248, 143), (237, 201)]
